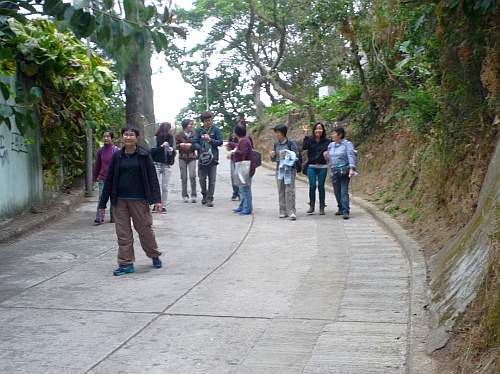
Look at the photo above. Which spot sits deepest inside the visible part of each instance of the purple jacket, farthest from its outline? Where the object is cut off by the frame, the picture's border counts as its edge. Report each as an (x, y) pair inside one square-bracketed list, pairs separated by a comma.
[(244, 152), (102, 161)]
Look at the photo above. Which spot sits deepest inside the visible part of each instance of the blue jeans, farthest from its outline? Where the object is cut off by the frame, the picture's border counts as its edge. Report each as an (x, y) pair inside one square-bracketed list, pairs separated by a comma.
[(317, 177), (101, 188), (246, 204), (341, 189), (236, 189)]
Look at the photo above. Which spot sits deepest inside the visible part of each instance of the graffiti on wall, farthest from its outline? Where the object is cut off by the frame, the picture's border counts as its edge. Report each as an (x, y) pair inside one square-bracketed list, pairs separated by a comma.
[(18, 144), (4, 152)]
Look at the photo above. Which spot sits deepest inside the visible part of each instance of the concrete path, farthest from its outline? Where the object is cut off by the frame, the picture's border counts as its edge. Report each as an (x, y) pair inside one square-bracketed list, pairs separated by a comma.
[(252, 294)]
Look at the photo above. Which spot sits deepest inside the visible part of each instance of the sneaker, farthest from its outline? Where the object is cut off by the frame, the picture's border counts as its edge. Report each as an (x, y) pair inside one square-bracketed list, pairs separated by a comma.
[(97, 223), (237, 210), (204, 200), (185, 199), (338, 213), (124, 269), (245, 213), (193, 200), (293, 217), (346, 215), (234, 197), (164, 210), (210, 203), (321, 211), (157, 262), (311, 209), (283, 215)]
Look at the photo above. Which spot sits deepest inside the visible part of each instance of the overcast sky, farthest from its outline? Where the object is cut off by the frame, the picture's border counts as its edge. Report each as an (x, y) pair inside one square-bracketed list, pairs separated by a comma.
[(171, 93)]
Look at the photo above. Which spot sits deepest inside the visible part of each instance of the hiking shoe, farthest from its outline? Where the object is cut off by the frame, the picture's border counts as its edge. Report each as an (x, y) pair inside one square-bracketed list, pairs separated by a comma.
[(237, 210), (124, 269), (185, 199), (338, 213), (157, 262), (193, 200), (210, 203), (293, 217), (346, 215)]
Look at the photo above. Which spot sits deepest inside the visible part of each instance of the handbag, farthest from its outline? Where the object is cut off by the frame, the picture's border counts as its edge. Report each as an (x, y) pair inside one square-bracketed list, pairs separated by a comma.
[(341, 171), (242, 171)]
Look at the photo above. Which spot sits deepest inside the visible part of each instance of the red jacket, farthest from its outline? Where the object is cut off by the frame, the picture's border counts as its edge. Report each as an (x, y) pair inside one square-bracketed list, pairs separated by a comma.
[(244, 152)]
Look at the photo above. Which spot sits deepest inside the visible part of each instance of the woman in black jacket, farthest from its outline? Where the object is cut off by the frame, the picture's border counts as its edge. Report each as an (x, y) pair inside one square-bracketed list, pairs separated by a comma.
[(317, 167), (132, 185), (166, 141)]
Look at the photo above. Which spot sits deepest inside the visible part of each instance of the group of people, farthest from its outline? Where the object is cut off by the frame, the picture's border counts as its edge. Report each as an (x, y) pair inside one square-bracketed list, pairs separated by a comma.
[(134, 178)]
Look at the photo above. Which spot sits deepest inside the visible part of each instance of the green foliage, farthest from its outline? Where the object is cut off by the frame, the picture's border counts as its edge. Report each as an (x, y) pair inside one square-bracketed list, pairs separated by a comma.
[(67, 89), (418, 107)]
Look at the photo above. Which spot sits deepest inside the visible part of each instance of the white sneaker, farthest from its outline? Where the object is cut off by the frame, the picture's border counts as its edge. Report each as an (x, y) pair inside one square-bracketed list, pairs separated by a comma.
[(185, 198), (283, 215), (293, 217)]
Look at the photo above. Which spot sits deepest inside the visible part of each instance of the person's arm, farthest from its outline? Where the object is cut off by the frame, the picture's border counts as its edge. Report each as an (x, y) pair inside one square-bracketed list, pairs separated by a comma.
[(108, 184), (273, 154), (294, 148), (153, 180), (97, 165), (218, 141), (306, 143), (350, 155)]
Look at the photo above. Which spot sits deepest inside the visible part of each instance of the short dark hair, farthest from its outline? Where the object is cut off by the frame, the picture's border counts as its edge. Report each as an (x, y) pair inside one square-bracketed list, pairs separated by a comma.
[(340, 131), (240, 131), (205, 115), (281, 128), (185, 122), (109, 132), (130, 128)]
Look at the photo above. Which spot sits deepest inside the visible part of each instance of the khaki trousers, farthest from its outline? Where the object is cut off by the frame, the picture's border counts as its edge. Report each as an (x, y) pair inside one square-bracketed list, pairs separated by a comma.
[(139, 211)]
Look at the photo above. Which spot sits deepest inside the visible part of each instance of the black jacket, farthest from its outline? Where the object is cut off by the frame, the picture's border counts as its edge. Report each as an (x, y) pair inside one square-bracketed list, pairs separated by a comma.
[(315, 150), (149, 178)]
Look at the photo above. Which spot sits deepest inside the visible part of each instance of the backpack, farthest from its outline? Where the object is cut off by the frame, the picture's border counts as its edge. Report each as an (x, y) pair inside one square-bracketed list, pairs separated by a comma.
[(256, 158), (205, 156)]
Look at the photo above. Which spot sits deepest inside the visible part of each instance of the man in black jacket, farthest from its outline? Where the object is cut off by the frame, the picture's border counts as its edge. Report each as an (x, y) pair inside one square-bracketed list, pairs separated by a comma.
[(132, 185)]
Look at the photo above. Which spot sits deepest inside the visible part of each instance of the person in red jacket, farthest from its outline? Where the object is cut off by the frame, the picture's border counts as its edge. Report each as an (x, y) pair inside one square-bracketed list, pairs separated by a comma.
[(101, 167)]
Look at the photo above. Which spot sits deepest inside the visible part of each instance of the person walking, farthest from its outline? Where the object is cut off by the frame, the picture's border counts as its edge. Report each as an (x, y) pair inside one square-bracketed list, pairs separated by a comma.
[(187, 159), (316, 166), (206, 141), (232, 144), (285, 154), (100, 171), (132, 185), (342, 160), (243, 152), (166, 141)]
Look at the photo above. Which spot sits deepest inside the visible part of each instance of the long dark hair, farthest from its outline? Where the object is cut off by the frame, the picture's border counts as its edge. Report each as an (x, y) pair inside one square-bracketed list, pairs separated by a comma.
[(163, 134), (323, 135)]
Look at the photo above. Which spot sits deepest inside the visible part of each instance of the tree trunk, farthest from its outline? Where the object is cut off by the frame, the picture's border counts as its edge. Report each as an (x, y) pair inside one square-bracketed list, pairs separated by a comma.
[(134, 95), (259, 105), (149, 109)]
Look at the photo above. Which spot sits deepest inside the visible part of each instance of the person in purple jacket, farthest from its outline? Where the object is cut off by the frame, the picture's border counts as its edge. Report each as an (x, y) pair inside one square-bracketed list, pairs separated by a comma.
[(101, 167), (243, 152)]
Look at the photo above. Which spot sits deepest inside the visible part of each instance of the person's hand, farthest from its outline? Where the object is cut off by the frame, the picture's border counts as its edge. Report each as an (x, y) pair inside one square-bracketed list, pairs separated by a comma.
[(325, 155), (272, 154), (101, 214), (158, 207), (205, 137), (165, 144), (351, 172)]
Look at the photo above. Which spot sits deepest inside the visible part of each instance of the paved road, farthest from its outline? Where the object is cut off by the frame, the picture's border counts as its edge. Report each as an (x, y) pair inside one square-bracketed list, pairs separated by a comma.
[(252, 294)]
